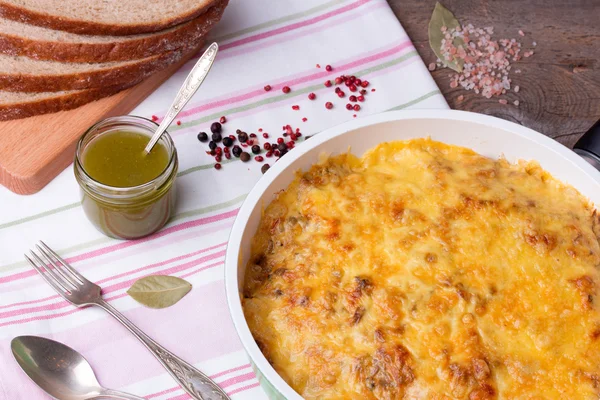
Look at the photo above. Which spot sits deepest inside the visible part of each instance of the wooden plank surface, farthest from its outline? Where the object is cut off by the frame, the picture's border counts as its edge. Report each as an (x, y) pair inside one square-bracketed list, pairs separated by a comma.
[(34, 150), (560, 84)]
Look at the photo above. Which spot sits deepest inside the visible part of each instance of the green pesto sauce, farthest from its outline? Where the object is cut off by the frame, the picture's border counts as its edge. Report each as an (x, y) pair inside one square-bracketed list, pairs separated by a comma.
[(118, 159)]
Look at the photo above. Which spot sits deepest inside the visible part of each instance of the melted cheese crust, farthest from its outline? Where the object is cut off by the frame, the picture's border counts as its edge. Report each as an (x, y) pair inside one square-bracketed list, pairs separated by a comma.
[(424, 270)]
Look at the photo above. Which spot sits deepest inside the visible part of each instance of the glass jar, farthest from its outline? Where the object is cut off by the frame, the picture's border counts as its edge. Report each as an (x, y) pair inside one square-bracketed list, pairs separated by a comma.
[(127, 212)]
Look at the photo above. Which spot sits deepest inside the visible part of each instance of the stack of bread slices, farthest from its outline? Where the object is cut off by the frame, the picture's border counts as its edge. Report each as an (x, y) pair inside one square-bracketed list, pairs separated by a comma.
[(60, 54)]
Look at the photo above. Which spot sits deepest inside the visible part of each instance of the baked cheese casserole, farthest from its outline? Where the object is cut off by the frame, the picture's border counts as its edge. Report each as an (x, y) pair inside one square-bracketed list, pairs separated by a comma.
[(427, 271)]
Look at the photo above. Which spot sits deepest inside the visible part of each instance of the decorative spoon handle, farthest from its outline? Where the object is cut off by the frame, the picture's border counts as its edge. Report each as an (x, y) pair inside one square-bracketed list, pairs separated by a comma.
[(189, 87), (194, 382)]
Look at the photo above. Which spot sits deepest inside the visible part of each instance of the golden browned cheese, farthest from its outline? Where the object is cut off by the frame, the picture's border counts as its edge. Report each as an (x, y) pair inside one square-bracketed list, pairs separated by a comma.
[(427, 271)]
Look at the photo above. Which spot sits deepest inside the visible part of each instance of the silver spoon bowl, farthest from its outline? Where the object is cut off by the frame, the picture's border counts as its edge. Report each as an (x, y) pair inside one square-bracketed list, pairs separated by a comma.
[(60, 371)]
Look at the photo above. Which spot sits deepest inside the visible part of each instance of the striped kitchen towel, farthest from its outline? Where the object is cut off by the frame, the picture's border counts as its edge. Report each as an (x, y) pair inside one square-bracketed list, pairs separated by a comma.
[(262, 42)]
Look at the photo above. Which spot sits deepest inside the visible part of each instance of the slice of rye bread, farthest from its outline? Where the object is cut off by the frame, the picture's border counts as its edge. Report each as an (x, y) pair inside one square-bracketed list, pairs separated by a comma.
[(15, 105), (104, 17), (23, 74), (21, 39)]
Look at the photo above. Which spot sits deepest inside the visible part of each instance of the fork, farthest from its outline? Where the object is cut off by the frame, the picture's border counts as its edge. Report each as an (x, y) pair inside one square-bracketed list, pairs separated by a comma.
[(77, 290)]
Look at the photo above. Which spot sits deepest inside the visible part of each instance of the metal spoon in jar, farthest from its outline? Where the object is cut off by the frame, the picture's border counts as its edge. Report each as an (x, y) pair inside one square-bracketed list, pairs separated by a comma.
[(189, 87), (60, 371)]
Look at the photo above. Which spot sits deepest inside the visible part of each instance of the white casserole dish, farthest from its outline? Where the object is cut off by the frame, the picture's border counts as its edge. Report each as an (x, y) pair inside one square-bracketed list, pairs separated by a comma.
[(486, 135)]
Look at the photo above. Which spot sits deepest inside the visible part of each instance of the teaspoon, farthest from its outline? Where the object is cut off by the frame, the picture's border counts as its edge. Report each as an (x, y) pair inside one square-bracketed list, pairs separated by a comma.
[(187, 90), (60, 371)]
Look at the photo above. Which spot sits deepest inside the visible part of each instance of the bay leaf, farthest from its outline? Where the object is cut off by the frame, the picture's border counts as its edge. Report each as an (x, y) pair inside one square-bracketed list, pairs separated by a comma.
[(159, 291), (443, 17)]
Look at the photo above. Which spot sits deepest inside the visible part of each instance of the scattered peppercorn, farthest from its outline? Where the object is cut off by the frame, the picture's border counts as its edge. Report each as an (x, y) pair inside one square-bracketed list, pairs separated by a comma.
[(217, 166), (361, 98), (222, 119), (267, 88), (269, 153), (312, 96), (227, 141), (338, 80), (259, 159), (203, 137), (352, 88), (218, 158), (329, 105), (295, 107), (286, 89), (243, 137), (341, 94), (348, 106), (212, 145), (154, 118), (327, 83), (216, 136), (356, 107), (328, 68), (244, 156), (267, 146), (238, 131), (236, 150), (178, 122), (228, 156), (252, 135), (215, 127), (304, 119), (265, 168), (352, 98), (266, 135), (281, 147), (232, 137), (280, 140), (255, 149), (219, 150)]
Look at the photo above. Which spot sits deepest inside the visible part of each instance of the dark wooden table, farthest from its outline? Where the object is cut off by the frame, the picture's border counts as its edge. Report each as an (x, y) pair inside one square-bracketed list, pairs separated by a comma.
[(559, 85)]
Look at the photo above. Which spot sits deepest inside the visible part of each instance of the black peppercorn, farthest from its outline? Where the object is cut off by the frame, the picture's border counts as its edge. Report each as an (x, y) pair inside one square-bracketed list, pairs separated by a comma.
[(215, 127), (282, 152), (282, 147), (212, 145), (202, 136), (244, 156), (227, 141), (264, 168), (256, 149), (238, 131), (237, 150), (216, 136), (243, 137)]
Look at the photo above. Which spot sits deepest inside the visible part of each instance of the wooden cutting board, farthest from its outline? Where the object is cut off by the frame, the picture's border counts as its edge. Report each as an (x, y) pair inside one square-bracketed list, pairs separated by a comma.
[(34, 150)]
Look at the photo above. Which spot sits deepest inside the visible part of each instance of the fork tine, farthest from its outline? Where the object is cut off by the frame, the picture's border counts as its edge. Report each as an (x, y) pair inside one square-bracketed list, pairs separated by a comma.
[(65, 277), (66, 265), (50, 280)]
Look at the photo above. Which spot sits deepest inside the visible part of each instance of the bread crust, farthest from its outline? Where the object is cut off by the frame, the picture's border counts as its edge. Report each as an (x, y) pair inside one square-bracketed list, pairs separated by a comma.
[(113, 51), (21, 14), (113, 76), (60, 102)]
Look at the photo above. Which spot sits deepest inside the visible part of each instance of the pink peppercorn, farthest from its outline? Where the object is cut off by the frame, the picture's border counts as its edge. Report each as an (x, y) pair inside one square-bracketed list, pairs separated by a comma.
[(312, 96), (295, 107), (218, 158), (341, 94), (178, 122), (352, 88), (226, 150), (267, 146), (266, 135), (328, 68), (217, 166), (361, 98), (293, 136), (252, 135), (329, 105), (277, 153), (222, 119), (356, 107), (338, 80), (364, 84), (352, 98), (219, 150), (348, 106), (269, 153), (154, 118), (232, 137), (259, 158), (363, 91), (286, 89), (304, 119), (279, 140), (267, 88), (327, 83), (290, 145), (228, 156)]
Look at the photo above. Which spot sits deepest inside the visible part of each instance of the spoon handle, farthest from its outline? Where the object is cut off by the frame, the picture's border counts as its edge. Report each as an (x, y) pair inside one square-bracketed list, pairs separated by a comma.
[(194, 382), (116, 394), (189, 87)]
